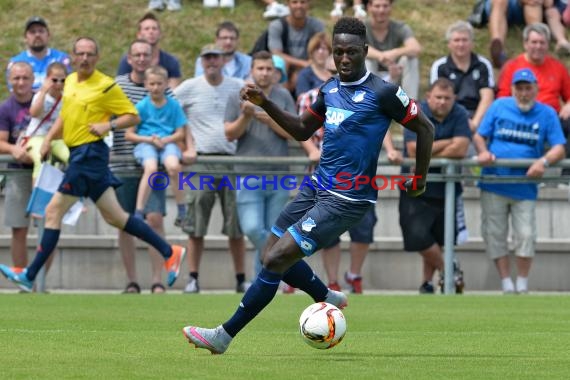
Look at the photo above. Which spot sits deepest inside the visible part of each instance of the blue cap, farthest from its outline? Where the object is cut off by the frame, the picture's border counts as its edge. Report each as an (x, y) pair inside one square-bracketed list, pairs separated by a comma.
[(523, 75), (280, 65)]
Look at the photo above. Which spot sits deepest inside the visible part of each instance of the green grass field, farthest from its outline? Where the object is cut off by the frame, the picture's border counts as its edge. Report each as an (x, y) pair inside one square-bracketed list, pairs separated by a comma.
[(389, 337)]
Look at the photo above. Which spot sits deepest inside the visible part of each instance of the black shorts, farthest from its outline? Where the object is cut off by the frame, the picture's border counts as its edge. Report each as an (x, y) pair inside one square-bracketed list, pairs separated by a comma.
[(422, 221)]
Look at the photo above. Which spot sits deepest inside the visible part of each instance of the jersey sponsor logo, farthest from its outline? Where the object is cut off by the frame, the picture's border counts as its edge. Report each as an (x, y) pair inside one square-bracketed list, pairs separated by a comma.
[(404, 99), (333, 90), (358, 96), (308, 225), (335, 116)]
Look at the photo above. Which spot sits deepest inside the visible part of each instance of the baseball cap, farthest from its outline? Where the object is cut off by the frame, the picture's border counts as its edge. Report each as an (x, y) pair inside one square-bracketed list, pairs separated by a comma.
[(523, 75), (35, 20), (279, 64), (211, 49)]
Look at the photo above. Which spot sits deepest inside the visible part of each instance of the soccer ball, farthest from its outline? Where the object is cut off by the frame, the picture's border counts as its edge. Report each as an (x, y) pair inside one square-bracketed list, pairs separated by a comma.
[(322, 325)]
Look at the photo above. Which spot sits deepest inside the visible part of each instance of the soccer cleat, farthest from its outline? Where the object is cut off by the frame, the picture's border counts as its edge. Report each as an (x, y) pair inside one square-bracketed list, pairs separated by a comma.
[(334, 286), (172, 264), (214, 340), (337, 298), (18, 277), (426, 288), (355, 283), (192, 286)]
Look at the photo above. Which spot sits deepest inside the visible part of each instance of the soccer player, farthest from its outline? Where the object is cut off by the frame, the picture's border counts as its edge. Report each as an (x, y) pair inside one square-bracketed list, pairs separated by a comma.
[(356, 109), (89, 99)]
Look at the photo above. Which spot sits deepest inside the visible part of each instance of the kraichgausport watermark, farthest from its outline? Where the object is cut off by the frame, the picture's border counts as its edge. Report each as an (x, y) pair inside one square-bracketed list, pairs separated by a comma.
[(343, 181)]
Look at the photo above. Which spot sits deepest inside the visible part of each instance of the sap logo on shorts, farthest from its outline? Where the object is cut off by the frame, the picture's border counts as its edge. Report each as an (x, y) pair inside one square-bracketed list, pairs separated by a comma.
[(333, 90), (308, 225), (335, 116), (358, 96), (401, 94), (306, 246)]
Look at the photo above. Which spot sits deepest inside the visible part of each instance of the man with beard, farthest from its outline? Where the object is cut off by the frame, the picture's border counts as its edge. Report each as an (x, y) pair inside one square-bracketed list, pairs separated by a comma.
[(37, 53), (515, 127)]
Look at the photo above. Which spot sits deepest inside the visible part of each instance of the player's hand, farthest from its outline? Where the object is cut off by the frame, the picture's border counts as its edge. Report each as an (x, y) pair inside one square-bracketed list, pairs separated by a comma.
[(415, 187), (99, 129), (250, 92)]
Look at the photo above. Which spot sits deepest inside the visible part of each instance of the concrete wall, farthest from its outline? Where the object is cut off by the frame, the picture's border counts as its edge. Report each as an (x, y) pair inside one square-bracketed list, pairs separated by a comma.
[(88, 257)]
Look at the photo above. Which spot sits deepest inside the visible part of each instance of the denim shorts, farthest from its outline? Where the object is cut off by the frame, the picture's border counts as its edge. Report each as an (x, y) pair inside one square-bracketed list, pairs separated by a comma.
[(146, 151), (316, 218)]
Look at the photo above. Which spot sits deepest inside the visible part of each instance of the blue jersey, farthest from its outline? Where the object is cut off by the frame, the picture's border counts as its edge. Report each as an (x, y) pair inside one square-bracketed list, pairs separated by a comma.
[(515, 134), (356, 117), (40, 66)]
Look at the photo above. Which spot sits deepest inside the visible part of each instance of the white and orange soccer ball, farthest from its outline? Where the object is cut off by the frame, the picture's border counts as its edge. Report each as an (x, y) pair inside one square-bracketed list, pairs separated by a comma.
[(322, 325)]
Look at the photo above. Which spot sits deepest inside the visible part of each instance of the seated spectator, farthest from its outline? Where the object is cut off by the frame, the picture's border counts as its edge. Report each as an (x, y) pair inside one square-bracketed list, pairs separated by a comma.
[(358, 8), (236, 64), (392, 43), (503, 13), (471, 74), (161, 127), (551, 74), (517, 126), (44, 110), (316, 73), (553, 11), (275, 9)]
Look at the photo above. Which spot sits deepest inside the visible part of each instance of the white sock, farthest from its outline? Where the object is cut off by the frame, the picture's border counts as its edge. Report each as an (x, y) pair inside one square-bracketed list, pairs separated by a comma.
[(351, 276), (522, 284), (508, 286)]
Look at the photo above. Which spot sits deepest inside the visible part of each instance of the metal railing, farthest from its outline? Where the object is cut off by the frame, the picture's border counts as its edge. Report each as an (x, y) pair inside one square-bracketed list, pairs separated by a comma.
[(450, 174)]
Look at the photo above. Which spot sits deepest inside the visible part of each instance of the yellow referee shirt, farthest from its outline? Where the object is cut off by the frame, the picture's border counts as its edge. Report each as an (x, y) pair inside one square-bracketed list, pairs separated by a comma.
[(94, 100)]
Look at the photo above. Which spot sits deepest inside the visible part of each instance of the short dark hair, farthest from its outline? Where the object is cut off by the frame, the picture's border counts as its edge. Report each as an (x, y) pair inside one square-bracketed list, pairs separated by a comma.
[(138, 41), (262, 55), (442, 83), (148, 16), (350, 25), (227, 25)]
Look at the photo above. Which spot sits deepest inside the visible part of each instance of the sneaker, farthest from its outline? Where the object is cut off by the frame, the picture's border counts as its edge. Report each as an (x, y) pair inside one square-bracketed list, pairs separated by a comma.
[(359, 11), (287, 289), (334, 286), (243, 286), (173, 5), (211, 3), (337, 11), (275, 10), (426, 288), (227, 3), (155, 5), (355, 283), (172, 264), (214, 340), (337, 298), (18, 277), (192, 286), (498, 55)]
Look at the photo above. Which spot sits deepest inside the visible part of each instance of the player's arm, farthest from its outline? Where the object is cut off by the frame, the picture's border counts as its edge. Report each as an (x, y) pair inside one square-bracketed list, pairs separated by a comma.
[(424, 130), (299, 127)]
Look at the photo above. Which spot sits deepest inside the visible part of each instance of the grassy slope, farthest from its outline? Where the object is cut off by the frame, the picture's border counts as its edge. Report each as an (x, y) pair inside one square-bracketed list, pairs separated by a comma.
[(389, 337), (113, 23)]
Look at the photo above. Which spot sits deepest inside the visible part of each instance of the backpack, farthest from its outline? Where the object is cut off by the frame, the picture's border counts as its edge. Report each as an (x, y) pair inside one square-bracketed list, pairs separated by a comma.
[(262, 42)]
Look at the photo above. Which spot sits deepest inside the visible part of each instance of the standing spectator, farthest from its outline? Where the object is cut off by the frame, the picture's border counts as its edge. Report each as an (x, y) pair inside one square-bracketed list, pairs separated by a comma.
[(257, 134), (422, 218), (236, 64), (88, 174), (471, 74), (149, 30), (301, 27), (45, 108), (502, 14), (38, 53), (160, 129), (515, 127), (204, 99), (316, 216), (552, 76), (392, 42), (14, 118), (132, 84), (275, 9), (316, 73)]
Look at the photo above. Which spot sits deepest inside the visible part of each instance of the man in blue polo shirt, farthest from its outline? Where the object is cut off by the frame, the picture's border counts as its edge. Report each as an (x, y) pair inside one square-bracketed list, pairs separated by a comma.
[(515, 127)]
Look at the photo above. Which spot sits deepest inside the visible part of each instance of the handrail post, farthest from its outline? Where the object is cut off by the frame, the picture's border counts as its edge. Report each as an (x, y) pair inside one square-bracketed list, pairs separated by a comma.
[(449, 230)]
